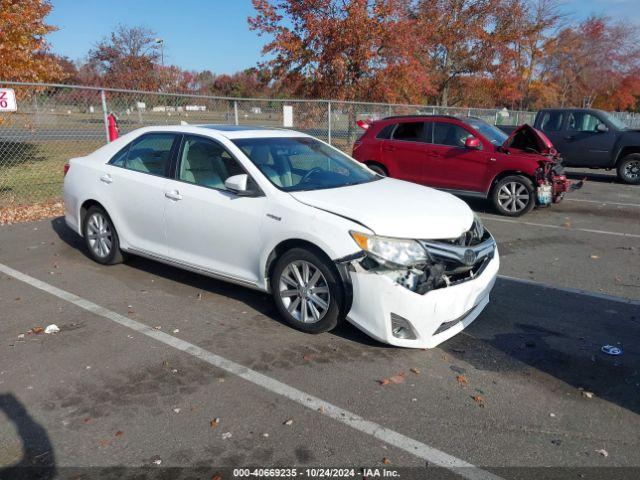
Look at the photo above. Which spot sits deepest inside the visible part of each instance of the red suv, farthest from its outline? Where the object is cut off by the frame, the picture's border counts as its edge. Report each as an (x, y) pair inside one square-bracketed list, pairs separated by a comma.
[(466, 156)]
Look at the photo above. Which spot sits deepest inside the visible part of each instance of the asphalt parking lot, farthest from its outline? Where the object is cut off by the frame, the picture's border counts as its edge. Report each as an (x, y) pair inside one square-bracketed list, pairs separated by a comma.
[(156, 367)]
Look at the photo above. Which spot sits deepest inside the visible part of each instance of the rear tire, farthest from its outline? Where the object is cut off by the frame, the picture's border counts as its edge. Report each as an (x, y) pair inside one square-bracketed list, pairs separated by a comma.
[(629, 169), (513, 196), (100, 237), (307, 291), (379, 169)]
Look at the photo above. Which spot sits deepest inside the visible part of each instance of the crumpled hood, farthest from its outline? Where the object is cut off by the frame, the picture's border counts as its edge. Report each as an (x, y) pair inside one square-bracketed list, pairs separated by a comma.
[(395, 208), (529, 139)]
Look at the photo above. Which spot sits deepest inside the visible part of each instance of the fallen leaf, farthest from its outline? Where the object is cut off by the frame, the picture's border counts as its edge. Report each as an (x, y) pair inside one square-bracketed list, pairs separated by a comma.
[(215, 422), (87, 420), (37, 330), (415, 370), (386, 461), (104, 442), (603, 452), (479, 400), (119, 433), (567, 223), (397, 378), (462, 380)]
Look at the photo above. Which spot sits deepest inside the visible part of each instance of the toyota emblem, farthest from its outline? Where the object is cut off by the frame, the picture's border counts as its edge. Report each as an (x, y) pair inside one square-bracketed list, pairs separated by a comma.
[(469, 257)]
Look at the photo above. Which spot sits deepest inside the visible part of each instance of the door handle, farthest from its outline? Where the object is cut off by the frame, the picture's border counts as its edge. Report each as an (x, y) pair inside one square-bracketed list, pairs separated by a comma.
[(173, 195), (106, 178)]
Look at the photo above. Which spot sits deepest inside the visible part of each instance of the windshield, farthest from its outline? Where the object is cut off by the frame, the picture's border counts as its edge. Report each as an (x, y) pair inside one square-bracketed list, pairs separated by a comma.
[(303, 163), (616, 122), (490, 132)]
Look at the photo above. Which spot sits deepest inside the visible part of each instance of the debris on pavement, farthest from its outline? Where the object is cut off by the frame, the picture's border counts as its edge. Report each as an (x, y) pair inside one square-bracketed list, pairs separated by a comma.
[(603, 452), (415, 370), (21, 336), (587, 394), (226, 435), (36, 330), (611, 350), (176, 330), (214, 422), (397, 378), (552, 415), (479, 399), (53, 328), (556, 441), (594, 257), (288, 422), (386, 461), (119, 433), (265, 435), (176, 410), (157, 461), (158, 327), (462, 380)]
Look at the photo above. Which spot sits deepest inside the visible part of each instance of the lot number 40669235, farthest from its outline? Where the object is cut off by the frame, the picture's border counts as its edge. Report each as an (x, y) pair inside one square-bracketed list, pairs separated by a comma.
[(7, 100)]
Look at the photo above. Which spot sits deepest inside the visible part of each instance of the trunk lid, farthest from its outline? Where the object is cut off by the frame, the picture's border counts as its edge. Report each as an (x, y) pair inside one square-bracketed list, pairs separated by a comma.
[(395, 208)]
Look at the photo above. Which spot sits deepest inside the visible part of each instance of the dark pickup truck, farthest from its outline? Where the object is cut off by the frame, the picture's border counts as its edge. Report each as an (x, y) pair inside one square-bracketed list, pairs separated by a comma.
[(594, 139)]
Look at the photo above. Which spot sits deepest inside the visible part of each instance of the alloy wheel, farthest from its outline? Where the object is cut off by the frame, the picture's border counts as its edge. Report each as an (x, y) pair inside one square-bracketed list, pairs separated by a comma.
[(632, 170), (304, 291), (99, 235), (513, 197)]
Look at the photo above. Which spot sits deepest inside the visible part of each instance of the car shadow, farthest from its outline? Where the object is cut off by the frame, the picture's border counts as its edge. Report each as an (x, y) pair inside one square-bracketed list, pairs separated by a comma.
[(259, 301), (533, 330), (593, 176), (38, 459), (525, 329)]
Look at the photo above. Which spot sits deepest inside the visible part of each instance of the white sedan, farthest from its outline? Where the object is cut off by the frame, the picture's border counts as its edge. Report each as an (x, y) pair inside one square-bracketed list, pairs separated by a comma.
[(282, 212)]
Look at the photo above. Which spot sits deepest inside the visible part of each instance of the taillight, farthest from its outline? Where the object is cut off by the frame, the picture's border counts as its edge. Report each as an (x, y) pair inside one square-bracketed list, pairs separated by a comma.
[(66, 168)]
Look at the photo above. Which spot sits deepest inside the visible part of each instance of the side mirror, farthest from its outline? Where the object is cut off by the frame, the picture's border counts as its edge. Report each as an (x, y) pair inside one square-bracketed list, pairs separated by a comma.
[(601, 128), (472, 143), (238, 184)]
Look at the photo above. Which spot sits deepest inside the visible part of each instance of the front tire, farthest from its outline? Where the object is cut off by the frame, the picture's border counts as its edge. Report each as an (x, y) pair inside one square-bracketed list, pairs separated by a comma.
[(629, 169), (513, 196), (307, 291), (379, 169), (100, 237)]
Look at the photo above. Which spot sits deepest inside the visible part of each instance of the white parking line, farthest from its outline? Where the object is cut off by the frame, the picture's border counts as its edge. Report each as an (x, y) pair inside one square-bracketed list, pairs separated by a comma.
[(600, 296), (602, 202), (421, 450), (559, 227)]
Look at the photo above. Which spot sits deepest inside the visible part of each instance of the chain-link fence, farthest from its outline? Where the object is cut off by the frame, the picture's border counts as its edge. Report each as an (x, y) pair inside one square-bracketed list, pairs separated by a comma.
[(56, 122)]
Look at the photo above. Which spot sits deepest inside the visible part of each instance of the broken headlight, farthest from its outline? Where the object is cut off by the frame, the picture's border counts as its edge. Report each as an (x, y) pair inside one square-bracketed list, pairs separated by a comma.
[(397, 251)]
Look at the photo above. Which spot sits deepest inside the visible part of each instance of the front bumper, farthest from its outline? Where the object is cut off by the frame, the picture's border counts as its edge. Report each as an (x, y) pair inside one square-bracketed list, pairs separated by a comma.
[(434, 316)]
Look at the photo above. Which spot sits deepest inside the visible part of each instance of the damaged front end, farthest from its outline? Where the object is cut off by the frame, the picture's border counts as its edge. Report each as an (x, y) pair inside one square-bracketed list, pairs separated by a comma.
[(551, 181), (443, 263)]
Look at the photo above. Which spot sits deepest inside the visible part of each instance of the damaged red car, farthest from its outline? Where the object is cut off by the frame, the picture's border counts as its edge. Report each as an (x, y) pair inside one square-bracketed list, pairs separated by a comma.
[(468, 157)]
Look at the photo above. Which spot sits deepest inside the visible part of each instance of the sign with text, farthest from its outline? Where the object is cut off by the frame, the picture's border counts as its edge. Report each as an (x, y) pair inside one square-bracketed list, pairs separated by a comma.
[(287, 116), (8, 100)]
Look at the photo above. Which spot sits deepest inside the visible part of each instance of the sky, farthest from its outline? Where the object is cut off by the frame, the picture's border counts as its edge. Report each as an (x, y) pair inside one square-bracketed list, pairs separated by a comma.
[(211, 34)]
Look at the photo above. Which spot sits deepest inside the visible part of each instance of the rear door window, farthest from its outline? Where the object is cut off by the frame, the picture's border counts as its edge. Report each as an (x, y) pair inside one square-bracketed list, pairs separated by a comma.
[(409, 132), (150, 153), (551, 121)]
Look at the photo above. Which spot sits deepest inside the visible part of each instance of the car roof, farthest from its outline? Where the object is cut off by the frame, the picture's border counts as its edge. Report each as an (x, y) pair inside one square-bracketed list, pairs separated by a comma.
[(419, 115), (229, 131)]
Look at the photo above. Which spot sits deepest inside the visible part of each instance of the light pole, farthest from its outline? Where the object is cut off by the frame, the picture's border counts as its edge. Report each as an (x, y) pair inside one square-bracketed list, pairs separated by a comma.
[(160, 42)]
